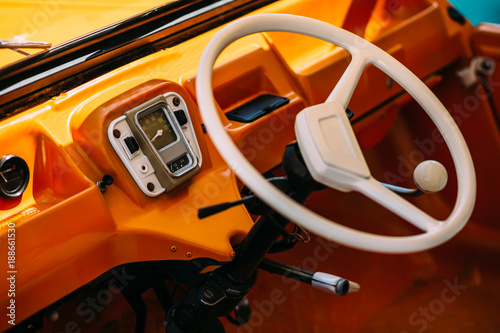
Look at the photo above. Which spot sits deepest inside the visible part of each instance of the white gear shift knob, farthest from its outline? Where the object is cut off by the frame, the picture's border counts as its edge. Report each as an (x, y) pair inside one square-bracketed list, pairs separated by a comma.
[(430, 176)]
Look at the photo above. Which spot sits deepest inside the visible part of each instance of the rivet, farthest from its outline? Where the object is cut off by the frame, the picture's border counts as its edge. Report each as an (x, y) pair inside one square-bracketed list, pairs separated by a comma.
[(176, 101), (189, 254), (53, 316), (173, 248)]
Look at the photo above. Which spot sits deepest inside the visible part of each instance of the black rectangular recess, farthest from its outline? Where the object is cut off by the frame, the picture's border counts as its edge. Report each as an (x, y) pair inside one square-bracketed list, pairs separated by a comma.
[(256, 108)]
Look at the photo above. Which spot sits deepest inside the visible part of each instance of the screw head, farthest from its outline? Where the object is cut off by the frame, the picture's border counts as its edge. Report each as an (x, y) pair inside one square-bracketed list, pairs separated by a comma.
[(151, 187), (208, 293), (176, 101), (486, 65), (116, 133)]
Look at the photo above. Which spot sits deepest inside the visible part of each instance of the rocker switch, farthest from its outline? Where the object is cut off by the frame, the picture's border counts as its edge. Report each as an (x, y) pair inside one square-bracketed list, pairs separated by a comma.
[(181, 117), (131, 144)]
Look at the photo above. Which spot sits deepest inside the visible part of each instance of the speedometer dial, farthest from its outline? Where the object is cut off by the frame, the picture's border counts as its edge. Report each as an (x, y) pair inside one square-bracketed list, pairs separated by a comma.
[(14, 176), (157, 128)]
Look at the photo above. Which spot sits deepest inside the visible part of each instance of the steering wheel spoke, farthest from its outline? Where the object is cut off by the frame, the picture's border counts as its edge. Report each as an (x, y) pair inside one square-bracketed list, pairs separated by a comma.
[(344, 89), (377, 192)]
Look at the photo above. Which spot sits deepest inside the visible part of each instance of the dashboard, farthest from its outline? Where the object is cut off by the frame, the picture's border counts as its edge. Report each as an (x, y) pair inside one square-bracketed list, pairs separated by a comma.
[(140, 125)]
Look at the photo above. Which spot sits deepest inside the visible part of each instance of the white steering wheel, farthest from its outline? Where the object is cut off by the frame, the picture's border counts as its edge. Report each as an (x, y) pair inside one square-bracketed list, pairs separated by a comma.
[(329, 147)]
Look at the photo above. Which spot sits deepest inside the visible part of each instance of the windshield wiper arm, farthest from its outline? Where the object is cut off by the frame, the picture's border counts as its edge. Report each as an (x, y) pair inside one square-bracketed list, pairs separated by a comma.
[(17, 45)]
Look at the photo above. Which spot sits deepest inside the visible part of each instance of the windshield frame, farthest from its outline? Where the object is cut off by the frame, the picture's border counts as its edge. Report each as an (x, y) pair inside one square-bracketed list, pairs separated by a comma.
[(37, 78)]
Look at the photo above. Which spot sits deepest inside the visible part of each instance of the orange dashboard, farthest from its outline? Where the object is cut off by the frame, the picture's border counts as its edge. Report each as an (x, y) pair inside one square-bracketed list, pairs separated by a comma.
[(72, 232)]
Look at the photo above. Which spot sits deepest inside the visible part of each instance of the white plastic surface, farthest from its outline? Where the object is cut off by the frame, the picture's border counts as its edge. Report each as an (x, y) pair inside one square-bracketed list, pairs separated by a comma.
[(363, 53), (430, 176), (326, 132), (137, 164)]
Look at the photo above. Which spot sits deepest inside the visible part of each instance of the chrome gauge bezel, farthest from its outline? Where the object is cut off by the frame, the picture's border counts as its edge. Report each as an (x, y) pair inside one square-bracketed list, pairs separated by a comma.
[(181, 143), (18, 162)]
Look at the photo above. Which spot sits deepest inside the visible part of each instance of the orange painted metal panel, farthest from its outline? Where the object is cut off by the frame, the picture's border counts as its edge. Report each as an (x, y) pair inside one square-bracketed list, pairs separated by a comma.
[(69, 232)]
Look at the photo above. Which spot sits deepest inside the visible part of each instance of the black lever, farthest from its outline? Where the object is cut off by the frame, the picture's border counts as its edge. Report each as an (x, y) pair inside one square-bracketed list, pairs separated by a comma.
[(105, 182), (215, 209), (403, 191), (322, 281), (252, 203)]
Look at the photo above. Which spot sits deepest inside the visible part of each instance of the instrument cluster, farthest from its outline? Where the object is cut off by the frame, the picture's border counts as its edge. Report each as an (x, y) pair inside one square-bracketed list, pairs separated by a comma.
[(157, 143)]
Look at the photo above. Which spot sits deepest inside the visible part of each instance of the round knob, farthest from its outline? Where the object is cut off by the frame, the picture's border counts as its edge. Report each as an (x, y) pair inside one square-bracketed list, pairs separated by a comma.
[(104, 183), (430, 176), (107, 180)]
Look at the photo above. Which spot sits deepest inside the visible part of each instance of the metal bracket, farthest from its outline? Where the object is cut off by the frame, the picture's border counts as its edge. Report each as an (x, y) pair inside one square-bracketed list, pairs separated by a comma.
[(478, 65)]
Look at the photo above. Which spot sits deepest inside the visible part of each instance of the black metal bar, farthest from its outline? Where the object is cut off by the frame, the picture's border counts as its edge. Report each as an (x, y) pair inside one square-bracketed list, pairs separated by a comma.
[(218, 208), (255, 246), (37, 78), (136, 302), (403, 191), (163, 295), (489, 95), (275, 267)]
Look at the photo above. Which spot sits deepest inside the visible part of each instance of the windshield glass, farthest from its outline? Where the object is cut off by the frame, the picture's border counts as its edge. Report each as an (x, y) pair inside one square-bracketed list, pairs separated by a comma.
[(57, 21), (92, 39)]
